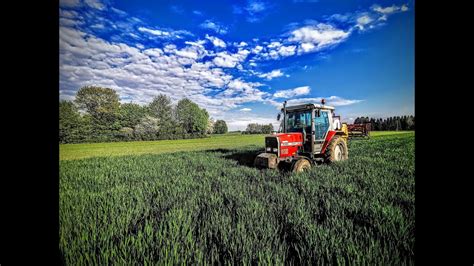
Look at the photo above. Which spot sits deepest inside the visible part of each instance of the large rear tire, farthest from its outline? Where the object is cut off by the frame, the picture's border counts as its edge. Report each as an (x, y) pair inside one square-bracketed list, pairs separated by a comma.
[(337, 150), (302, 165)]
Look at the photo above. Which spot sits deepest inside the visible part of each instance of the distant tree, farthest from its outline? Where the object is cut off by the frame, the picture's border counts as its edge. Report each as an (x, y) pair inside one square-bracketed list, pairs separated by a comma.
[(69, 122), (191, 119), (220, 127), (162, 109), (126, 133), (147, 129), (410, 122), (267, 129), (255, 128), (102, 104), (130, 114), (210, 126)]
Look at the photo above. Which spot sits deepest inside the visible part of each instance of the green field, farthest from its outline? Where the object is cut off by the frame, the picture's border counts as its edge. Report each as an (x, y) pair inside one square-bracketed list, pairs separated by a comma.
[(211, 206), (227, 141)]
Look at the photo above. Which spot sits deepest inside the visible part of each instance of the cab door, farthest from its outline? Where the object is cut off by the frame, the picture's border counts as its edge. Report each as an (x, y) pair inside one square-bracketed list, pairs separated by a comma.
[(321, 128)]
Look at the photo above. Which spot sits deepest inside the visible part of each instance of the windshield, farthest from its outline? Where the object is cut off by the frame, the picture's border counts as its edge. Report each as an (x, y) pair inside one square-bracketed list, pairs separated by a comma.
[(297, 121)]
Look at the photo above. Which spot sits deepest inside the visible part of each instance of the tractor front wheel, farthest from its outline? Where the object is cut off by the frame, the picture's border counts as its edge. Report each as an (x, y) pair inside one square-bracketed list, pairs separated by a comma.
[(301, 165), (337, 150)]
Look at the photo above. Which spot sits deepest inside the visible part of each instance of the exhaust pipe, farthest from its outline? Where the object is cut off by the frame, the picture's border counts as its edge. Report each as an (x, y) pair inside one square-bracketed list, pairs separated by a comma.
[(284, 117)]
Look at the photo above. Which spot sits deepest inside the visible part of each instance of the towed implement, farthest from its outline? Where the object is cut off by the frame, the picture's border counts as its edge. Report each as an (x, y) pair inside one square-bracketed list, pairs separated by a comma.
[(311, 134), (359, 130)]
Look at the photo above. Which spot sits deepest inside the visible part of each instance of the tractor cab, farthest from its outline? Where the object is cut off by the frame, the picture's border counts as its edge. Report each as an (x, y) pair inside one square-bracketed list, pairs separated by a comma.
[(309, 134)]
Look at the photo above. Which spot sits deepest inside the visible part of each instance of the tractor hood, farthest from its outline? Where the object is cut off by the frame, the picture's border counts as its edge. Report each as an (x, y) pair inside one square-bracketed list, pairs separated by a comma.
[(284, 144), (289, 137)]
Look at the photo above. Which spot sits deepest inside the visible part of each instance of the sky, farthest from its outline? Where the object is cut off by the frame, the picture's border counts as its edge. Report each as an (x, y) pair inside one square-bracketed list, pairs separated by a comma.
[(241, 59)]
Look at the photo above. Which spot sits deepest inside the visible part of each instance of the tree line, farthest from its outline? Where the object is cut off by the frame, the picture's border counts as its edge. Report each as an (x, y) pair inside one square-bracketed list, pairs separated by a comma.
[(96, 115), (391, 123), (254, 128)]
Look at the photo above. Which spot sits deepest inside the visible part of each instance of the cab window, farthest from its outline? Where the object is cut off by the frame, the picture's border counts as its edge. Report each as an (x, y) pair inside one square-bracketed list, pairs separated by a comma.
[(321, 125)]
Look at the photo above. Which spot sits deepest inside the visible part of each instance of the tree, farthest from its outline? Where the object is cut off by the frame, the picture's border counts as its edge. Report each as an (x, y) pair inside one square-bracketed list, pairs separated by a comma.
[(410, 122), (220, 127), (254, 128), (102, 104), (98, 102), (210, 126), (267, 129), (162, 109), (130, 114), (147, 129), (191, 119), (69, 122)]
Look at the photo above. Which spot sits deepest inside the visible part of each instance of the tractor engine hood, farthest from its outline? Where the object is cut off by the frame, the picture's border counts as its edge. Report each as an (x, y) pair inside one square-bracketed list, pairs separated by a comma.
[(284, 144)]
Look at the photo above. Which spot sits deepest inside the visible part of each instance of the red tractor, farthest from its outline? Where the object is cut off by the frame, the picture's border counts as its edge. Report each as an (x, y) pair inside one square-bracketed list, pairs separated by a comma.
[(311, 134)]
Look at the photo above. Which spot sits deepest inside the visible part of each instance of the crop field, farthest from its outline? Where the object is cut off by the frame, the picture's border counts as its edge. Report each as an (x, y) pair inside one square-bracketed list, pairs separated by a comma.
[(127, 203)]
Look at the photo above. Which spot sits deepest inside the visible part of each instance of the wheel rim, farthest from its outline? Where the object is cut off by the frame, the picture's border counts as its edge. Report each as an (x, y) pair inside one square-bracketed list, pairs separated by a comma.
[(338, 153), (305, 168)]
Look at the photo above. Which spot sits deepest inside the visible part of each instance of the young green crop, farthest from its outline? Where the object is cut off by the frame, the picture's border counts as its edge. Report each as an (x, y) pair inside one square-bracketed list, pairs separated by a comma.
[(212, 207)]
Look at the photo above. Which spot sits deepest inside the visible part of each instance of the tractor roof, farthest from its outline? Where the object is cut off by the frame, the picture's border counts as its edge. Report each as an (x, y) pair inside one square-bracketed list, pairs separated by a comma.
[(308, 106)]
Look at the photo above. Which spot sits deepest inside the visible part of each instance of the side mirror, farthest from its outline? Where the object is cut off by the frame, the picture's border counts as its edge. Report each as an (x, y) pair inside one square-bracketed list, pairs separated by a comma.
[(318, 113), (278, 117)]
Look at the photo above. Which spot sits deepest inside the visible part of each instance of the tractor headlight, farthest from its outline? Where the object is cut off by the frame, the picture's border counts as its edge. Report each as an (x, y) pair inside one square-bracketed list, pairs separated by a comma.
[(275, 149), (269, 149)]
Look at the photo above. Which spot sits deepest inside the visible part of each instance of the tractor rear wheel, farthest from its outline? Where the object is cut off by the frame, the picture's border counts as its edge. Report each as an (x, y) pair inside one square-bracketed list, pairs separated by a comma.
[(301, 165), (337, 150)]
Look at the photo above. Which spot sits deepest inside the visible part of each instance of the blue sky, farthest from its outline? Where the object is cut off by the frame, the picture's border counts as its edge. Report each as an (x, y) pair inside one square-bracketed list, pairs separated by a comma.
[(241, 59)]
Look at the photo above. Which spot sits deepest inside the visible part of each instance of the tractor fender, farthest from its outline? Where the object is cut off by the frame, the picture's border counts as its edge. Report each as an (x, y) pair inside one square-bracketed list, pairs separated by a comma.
[(296, 158)]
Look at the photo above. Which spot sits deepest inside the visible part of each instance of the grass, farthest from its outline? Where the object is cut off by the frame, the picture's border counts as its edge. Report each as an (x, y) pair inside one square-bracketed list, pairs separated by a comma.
[(226, 141), (210, 206)]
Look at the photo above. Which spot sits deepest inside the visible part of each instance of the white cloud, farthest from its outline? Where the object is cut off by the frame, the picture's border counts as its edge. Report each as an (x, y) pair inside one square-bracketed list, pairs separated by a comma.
[(307, 47), (69, 3), (273, 74), (216, 41), (292, 92), (218, 28), (385, 10), (118, 11), (331, 101), (245, 109), (255, 6), (68, 14), (287, 50), (389, 10), (313, 38), (255, 10), (154, 32), (340, 17), (197, 43), (172, 34), (242, 44), (257, 49), (274, 45), (95, 4), (224, 59), (188, 52), (364, 20)]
